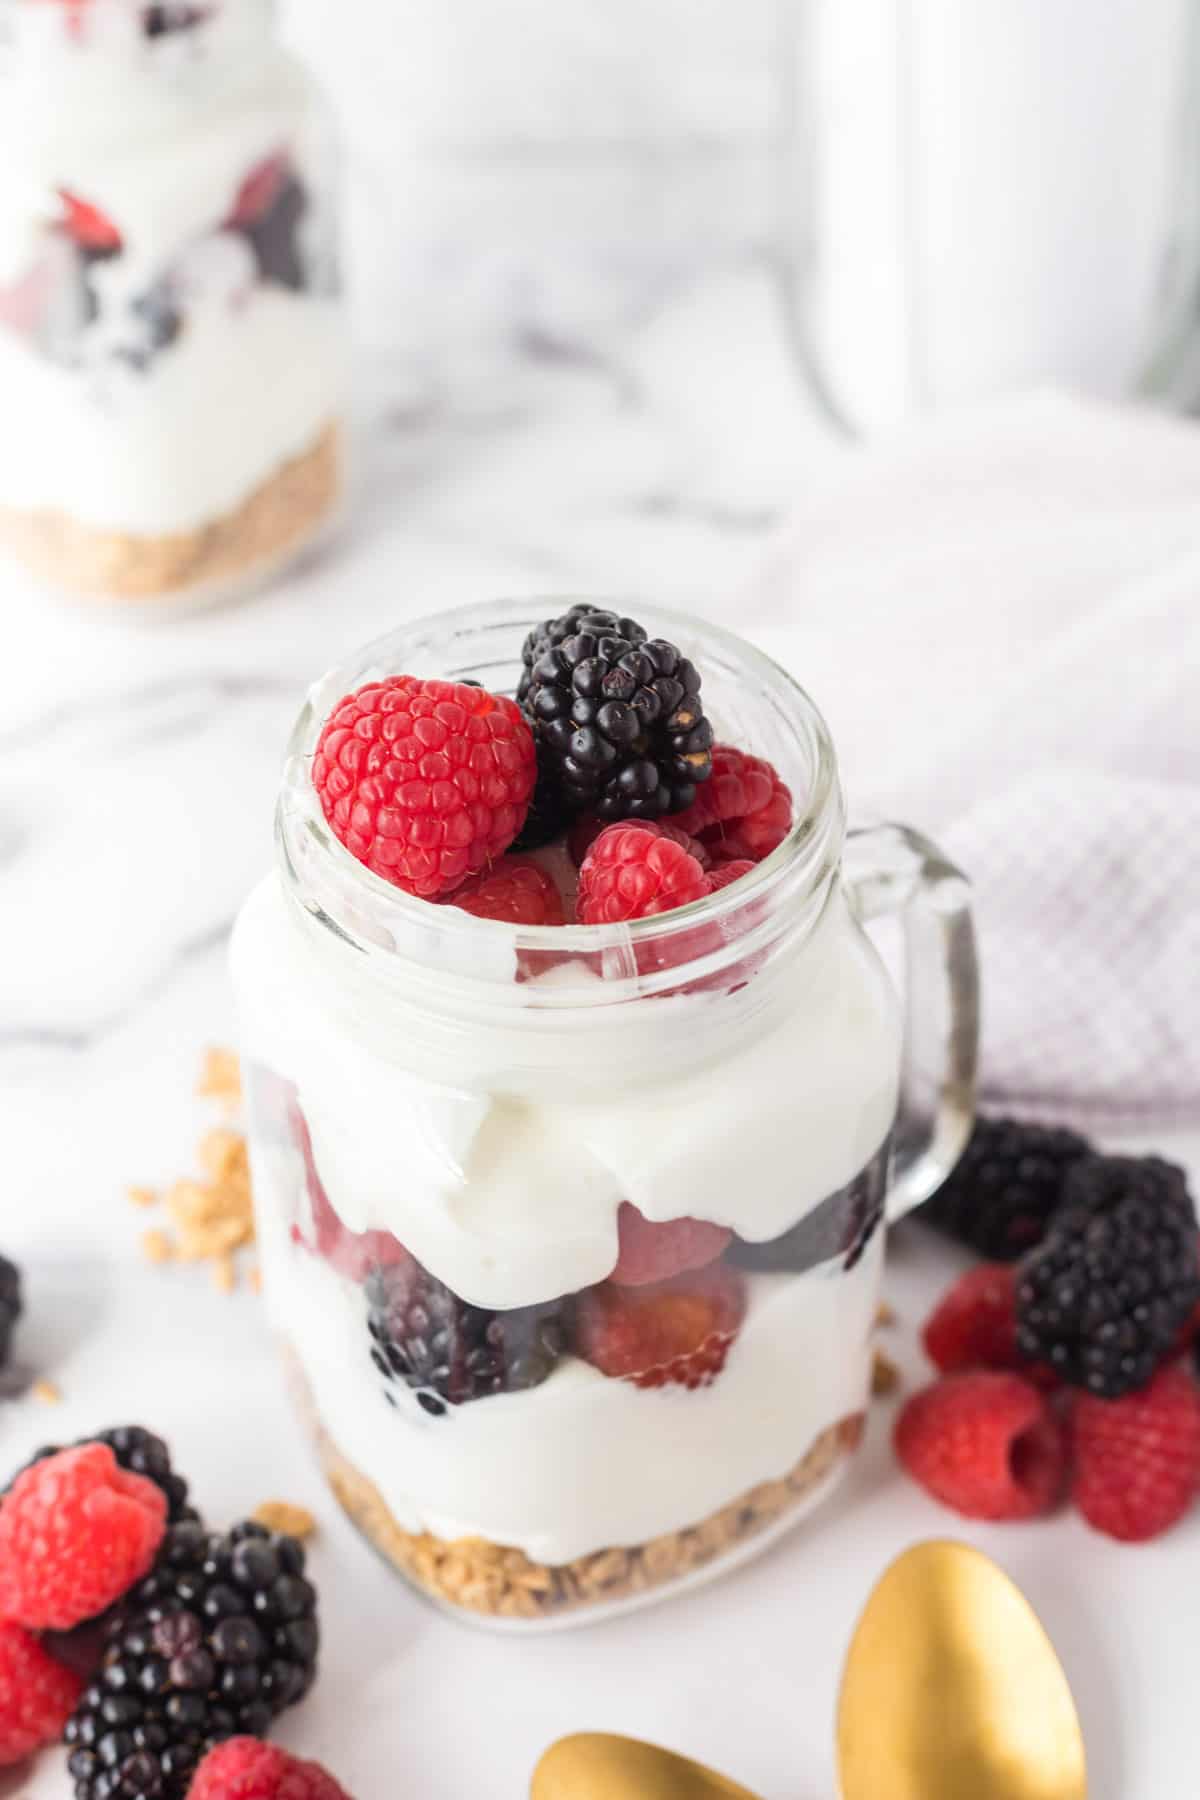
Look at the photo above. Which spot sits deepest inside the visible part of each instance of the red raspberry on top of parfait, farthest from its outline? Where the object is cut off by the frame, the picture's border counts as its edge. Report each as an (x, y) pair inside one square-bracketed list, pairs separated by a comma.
[(743, 811), (425, 782), (631, 872), (515, 891)]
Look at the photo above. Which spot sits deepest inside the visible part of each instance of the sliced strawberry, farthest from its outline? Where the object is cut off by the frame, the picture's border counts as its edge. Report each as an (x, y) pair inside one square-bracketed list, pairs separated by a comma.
[(259, 189), (88, 226), (657, 1252), (670, 1333)]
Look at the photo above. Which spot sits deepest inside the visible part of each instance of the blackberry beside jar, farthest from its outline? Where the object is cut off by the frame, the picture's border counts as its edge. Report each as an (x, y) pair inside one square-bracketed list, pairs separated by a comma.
[(573, 1235), (171, 350)]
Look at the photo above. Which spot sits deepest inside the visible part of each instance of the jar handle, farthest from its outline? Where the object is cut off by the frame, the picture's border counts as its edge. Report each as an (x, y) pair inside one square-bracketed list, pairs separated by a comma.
[(891, 869)]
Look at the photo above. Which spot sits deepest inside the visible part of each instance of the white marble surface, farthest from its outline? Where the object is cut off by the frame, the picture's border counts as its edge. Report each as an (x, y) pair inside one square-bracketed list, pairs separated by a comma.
[(544, 175), (137, 767)]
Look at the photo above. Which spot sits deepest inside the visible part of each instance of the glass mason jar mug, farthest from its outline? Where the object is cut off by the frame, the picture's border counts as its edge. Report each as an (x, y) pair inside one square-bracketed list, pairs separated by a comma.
[(170, 347), (493, 1163)]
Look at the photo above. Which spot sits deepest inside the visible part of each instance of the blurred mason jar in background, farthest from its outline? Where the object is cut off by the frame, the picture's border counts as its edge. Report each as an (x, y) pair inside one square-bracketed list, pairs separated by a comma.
[(963, 197), (527, 180), (984, 195)]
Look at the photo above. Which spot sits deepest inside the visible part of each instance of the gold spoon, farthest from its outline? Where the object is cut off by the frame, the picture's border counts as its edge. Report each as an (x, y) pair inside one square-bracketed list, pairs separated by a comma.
[(953, 1691), (595, 1765)]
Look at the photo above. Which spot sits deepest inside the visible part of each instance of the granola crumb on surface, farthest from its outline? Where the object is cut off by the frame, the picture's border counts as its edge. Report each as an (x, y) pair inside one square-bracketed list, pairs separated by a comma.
[(885, 1376), (156, 1247), (282, 1516), (211, 1216)]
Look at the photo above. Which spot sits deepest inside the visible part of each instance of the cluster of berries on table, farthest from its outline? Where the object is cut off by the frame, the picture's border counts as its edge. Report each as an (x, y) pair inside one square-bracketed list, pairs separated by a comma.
[(1068, 1359), (159, 1651), (454, 794)]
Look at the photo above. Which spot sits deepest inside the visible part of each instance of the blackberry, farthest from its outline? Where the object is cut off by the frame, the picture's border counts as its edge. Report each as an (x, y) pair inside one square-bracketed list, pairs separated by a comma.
[(616, 715), (840, 1228), (219, 1638), (142, 1453), (1006, 1187), (451, 1352), (547, 815), (1105, 1297), (277, 240), (10, 1305), (161, 20)]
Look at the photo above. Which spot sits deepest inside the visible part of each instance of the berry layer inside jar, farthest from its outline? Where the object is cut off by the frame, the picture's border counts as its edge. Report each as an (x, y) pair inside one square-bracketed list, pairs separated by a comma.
[(703, 1367)]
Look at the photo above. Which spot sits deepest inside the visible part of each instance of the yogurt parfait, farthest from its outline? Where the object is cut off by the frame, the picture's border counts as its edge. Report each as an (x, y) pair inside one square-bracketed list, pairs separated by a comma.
[(579, 1097), (170, 346)]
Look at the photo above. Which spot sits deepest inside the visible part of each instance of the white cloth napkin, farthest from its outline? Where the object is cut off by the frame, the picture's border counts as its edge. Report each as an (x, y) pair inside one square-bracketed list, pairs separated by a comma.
[(1000, 617)]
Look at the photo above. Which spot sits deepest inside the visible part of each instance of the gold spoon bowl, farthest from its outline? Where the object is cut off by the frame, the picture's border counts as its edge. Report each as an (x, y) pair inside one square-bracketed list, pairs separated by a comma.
[(953, 1691), (595, 1765)]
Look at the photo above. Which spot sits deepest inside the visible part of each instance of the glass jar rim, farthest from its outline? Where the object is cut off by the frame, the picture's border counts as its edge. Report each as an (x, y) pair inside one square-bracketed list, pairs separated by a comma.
[(372, 914)]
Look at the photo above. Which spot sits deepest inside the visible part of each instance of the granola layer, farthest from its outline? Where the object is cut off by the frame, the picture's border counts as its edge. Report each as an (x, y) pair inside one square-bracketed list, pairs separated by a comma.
[(270, 524), (503, 1583)]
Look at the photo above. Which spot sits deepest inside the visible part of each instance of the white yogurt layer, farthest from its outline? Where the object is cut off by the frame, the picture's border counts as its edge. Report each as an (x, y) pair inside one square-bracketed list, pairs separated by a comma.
[(584, 1462), (182, 444), (500, 1157)]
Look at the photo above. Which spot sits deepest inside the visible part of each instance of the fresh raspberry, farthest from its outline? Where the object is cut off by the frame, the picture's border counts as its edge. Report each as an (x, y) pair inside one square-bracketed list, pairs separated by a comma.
[(75, 1532), (515, 890), (37, 1695), (88, 226), (674, 1332), (985, 1443), (354, 1254), (631, 873), (259, 189), (656, 1252), (727, 873), (587, 828), (244, 1768), (743, 811), (1137, 1459), (974, 1326), (426, 782)]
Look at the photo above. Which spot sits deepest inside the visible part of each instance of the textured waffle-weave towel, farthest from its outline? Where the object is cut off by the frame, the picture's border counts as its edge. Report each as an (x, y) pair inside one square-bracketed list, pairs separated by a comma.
[(1000, 616)]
